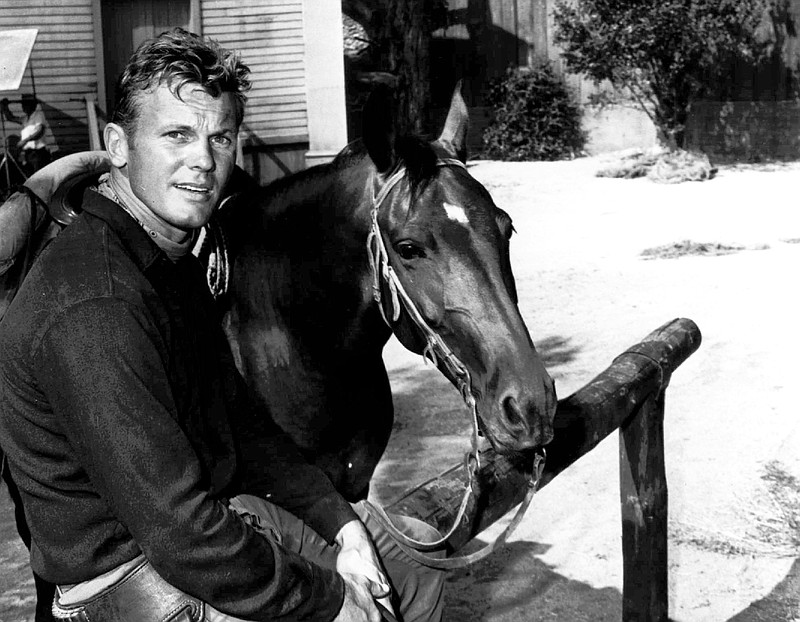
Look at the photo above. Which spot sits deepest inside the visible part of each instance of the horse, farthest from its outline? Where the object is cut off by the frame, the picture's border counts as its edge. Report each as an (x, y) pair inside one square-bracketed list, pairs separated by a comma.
[(393, 236)]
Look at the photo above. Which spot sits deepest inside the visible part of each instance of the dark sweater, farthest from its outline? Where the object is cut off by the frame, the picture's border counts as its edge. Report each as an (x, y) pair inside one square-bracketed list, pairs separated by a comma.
[(127, 427)]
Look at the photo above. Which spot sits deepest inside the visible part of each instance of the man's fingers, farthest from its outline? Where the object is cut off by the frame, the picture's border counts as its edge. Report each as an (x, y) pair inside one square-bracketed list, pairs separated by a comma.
[(379, 589), (387, 604)]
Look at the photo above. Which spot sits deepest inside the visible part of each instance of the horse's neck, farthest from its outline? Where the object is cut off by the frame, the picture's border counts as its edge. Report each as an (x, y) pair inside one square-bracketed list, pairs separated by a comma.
[(310, 280)]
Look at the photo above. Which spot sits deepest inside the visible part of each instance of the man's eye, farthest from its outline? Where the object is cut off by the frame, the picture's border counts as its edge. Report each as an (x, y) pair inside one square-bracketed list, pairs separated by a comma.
[(176, 135), (222, 141)]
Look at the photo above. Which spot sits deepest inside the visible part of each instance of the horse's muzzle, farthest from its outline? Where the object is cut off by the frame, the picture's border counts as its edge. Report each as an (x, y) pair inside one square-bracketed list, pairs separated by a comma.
[(523, 421)]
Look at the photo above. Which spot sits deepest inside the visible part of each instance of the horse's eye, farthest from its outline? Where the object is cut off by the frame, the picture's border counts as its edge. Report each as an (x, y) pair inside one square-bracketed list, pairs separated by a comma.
[(408, 250)]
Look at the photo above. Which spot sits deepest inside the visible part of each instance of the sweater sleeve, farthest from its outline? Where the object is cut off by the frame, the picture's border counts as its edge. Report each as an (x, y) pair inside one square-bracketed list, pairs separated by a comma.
[(102, 365), (287, 479)]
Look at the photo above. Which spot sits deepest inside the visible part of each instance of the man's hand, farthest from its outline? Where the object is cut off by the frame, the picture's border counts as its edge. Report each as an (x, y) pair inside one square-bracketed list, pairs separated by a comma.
[(4, 110), (358, 559), (359, 602)]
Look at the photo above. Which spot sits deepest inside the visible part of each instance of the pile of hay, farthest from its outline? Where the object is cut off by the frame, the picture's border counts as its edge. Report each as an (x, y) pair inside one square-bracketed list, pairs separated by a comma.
[(666, 167), (688, 247)]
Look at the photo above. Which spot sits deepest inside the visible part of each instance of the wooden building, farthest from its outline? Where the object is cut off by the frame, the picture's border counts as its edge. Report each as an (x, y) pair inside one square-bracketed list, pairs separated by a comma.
[(486, 37), (755, 116), (295, 114)]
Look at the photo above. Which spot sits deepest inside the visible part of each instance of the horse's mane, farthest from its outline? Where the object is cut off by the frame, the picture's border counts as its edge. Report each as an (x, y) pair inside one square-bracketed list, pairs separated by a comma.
[(414, 153), (276, 199)]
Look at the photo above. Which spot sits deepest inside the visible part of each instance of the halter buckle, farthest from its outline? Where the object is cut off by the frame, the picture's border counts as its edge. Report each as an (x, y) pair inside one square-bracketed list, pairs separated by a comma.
[(539, 460)]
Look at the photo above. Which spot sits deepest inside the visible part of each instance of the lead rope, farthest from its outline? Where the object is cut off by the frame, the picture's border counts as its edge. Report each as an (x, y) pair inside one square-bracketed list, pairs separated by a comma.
[(415, 549), (436, 351)]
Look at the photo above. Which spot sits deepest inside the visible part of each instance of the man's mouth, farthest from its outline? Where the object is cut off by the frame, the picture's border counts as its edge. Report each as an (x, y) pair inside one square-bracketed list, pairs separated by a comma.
[(196, 188)]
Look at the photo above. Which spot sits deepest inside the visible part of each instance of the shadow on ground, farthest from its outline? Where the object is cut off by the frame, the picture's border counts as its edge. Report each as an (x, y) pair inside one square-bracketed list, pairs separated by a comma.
[(782, 603), (513, 584), (425, 400), (557, 351), (432, 426), (17, 593)]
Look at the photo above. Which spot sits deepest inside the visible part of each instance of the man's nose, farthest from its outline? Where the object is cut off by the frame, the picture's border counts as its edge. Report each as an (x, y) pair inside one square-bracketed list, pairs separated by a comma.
[(201, 156)]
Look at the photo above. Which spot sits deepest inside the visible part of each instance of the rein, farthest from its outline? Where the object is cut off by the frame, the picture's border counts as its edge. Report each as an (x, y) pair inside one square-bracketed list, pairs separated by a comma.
[(436, 351)]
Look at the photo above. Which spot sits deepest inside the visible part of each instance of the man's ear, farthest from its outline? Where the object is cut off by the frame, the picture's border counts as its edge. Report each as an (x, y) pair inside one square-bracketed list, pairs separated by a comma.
[(116, 144)]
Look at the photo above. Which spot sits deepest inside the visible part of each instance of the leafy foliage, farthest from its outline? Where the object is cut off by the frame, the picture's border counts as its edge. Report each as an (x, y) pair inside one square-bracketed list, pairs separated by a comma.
[(663, 52), (534, 117)]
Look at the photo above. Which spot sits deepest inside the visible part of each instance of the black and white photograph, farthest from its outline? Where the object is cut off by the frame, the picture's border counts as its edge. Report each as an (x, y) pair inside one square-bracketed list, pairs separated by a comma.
[(399, 310)]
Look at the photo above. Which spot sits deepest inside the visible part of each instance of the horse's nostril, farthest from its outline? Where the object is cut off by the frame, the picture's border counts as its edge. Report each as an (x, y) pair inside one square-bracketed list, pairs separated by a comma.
[(515, 418)]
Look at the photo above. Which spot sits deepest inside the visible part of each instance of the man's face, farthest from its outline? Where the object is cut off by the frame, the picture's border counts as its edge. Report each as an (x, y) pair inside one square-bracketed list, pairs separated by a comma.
[(181, 153)]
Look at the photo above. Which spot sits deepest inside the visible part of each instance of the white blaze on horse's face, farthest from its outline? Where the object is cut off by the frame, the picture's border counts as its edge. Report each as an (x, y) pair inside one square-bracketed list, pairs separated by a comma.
[(456, 213)]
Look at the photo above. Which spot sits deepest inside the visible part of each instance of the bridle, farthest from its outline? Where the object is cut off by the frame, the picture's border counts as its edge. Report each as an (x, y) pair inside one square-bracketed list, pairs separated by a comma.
[(437, 352)]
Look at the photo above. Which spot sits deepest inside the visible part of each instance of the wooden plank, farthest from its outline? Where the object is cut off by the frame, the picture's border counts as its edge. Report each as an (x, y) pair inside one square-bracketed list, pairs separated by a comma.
[(45, 45), (271, 121), (84, 83), (274, 30), (62, 75), (290, 50), (286, 77), (582, 420), (265, 39), (257, 60), (20, 15), (48, 63), (279, 66), (67, 49), (45, 36), (268, 20), (59, 92), (212, 5), (293, 106), (46, 20), (250, 12), (54, 31), (643, 497), (45, 4), (267, 126), (39, 13), (265, 97), (268, 60), (280, 90), (271, 126), (257, 143)]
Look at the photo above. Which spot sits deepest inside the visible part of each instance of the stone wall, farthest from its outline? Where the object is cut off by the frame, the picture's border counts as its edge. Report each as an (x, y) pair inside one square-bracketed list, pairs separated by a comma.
[(725, 131), (615, 128), (745, 131)]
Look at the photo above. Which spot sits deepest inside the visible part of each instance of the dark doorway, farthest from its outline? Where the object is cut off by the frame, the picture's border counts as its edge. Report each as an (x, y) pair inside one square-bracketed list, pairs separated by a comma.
[(126, 23)]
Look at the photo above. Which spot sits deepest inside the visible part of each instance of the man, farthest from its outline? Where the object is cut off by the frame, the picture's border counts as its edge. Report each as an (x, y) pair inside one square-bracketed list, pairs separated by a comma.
[(31, 146), (143, 467)]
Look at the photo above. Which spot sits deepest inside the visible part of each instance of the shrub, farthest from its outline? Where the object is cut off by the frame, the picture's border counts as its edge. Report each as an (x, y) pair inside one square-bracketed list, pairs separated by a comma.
[(665, 53), (533, 117)]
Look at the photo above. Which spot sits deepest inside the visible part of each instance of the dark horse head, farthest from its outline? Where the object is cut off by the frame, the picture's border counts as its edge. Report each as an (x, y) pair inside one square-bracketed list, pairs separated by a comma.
[(448, 245), (304, 322)]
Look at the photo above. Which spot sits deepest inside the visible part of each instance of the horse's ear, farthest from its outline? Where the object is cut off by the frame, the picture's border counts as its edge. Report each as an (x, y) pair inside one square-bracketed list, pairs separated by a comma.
[(454, 135), (379, 131)]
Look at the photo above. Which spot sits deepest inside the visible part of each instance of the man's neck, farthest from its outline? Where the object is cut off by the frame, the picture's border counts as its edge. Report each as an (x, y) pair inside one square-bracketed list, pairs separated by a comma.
[(173, 241)]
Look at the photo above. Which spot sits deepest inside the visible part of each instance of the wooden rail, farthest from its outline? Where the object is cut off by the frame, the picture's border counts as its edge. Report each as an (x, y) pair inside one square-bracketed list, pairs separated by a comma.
[(629, 396)]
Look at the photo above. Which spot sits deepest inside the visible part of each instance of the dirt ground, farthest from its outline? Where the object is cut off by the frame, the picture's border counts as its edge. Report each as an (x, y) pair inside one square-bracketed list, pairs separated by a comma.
[(732, 420)]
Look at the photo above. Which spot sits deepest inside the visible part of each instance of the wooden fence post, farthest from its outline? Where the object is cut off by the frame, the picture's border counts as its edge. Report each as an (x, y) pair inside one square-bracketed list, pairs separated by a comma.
[(629, 396), (643, 495)]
